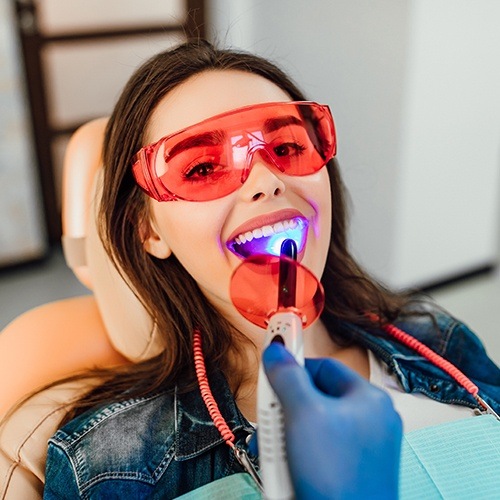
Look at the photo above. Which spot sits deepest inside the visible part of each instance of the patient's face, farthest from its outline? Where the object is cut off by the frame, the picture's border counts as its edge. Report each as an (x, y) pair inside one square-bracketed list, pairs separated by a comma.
[(198, 232)]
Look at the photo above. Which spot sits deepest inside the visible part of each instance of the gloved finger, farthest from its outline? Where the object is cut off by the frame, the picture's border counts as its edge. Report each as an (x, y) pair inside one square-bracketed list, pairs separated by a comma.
[(291, 382), (333, 378), (253, 444)]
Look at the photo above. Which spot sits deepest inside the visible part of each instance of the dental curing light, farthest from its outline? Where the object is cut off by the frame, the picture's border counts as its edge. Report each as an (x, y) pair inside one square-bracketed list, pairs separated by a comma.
[(284, 297)]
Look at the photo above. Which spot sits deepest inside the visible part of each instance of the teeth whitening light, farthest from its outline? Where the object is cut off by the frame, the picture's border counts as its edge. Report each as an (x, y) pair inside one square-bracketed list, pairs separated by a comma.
[(279, 294), (285, 326)]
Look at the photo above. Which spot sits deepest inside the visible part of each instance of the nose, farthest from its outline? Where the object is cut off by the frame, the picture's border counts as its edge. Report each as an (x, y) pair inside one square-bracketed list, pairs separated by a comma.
[(262, 181)]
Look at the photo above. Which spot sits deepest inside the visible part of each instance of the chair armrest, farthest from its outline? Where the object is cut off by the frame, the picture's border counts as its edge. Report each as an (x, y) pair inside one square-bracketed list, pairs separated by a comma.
[(49, 343), (41, 346), (23, 440)]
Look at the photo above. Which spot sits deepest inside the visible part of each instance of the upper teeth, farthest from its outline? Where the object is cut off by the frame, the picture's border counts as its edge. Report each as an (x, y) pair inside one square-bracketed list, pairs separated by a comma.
[(268, 230)]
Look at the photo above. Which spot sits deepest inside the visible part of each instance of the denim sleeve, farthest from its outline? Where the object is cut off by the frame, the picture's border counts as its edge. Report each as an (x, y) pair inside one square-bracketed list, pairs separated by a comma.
[(60, 481)]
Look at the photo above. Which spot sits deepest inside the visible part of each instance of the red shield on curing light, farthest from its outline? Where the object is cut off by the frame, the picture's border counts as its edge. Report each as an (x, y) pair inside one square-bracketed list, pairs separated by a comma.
[(254, 290)]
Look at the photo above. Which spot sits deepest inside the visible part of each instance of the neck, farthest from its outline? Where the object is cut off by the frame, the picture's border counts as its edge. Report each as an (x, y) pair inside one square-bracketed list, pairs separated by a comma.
[(244, 385), (317, 344)]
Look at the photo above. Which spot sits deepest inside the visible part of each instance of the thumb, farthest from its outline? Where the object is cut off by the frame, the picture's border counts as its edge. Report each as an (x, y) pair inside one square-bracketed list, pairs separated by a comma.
[(332, 377), (291, 382)]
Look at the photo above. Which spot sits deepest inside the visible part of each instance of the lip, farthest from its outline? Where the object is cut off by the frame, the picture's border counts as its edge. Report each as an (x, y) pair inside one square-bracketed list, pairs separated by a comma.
[(265, 220)]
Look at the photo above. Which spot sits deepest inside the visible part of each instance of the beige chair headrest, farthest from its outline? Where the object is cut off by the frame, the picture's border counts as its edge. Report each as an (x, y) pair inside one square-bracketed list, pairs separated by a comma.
[(129, 327)]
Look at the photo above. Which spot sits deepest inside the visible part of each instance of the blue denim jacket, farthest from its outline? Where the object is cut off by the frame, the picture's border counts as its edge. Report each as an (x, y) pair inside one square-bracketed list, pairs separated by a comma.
[(165, 445)]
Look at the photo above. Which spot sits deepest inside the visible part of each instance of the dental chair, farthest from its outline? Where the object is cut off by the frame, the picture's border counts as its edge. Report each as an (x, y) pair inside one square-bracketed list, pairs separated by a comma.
[(108, 328)]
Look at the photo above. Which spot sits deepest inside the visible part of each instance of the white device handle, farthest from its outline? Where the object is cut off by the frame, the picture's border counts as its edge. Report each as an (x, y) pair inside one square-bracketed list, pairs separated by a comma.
[(284, 327)]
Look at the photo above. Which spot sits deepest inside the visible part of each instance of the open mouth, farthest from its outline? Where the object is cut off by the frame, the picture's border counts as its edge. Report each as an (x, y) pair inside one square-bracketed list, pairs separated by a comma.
[(268, 239)]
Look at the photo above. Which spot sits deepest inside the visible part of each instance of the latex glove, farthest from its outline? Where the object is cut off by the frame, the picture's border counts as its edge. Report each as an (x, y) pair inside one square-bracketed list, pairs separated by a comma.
[(343, 436)]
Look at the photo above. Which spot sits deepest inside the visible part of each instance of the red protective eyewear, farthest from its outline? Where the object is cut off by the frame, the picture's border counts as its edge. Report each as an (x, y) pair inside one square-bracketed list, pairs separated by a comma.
[(213, 158)]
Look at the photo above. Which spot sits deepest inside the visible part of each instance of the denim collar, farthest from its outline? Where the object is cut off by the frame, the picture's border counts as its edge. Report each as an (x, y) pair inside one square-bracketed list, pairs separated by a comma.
[(195, 431)]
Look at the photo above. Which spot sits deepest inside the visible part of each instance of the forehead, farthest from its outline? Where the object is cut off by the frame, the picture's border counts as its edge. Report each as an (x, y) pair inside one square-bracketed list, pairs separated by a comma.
[(207, 94)]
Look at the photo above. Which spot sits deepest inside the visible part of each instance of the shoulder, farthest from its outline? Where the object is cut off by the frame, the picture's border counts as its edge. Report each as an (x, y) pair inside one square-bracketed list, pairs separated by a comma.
[(438, 329), (433, 326), (109, 422), (453, 340), (124, 440), (162, 445)]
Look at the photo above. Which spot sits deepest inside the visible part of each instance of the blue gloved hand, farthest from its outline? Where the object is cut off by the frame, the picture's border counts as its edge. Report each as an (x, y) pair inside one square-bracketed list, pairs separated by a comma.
[(343, 436)]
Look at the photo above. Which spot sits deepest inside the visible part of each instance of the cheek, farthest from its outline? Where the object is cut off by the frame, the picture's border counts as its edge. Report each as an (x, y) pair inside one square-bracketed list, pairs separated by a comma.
[(193, 233), (320, 198), (181, 223), (327, 210)]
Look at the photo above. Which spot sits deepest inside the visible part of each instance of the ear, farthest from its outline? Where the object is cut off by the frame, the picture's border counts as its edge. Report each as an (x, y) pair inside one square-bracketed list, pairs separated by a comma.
[(153, 242)]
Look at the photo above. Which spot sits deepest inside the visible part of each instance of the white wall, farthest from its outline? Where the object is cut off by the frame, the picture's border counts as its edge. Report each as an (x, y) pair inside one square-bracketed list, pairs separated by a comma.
[(414, 90), (451, 155)]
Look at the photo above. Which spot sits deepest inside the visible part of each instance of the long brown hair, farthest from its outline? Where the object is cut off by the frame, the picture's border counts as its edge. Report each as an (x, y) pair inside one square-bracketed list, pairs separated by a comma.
[(169, 293)]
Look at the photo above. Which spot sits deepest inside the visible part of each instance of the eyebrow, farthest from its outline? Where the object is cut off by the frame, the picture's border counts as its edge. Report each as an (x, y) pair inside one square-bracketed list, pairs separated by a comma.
[(212, 138), (272, 124), (216, 137)]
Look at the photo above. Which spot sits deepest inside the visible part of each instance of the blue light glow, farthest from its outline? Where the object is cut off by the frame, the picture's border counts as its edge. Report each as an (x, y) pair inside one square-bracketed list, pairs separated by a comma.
[(271, 245)]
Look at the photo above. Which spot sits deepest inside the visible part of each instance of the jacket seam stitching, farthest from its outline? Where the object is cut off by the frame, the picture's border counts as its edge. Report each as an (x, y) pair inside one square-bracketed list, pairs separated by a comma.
[(102, 416), (448, 333)]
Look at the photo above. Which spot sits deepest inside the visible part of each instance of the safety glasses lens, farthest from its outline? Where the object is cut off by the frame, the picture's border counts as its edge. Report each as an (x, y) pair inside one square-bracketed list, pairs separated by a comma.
[(211, 159)]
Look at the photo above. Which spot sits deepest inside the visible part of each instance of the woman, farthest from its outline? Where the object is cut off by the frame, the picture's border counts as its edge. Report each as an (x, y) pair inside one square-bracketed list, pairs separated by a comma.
[(178, 224)]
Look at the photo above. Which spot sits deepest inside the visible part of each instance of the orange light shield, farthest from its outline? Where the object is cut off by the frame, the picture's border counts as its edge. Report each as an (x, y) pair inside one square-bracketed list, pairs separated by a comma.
[(255, 285)]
